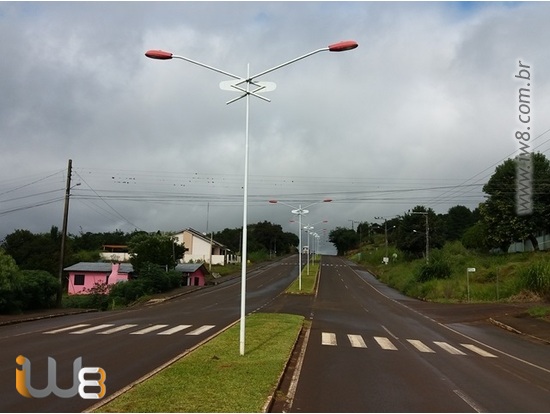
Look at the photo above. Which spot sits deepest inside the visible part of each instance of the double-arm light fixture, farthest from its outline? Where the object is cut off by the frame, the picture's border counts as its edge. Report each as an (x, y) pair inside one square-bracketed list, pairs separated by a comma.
[(248, 86)]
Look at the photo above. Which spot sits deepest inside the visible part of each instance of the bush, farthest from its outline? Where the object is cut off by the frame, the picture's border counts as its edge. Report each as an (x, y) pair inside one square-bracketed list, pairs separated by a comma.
[(124, 293), (437, 268), (536, 277), (94, 298), (38, 289), (10, 285)]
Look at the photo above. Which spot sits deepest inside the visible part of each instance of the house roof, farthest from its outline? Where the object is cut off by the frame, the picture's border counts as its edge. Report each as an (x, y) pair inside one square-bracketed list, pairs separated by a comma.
[(202, 236), (191, 267), (100, 267)]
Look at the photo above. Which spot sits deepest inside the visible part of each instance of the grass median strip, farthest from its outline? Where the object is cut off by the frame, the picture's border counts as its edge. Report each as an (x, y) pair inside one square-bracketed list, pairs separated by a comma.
[(308, 281), (215, 377)]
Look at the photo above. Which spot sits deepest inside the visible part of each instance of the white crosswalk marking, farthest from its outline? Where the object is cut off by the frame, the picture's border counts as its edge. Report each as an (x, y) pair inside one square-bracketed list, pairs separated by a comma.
[(449, 348), (385, 343), (357, 341), (200, 330), (420, 346), (174, 330), (328, 338), (68, 328), (478, 351), (117, 329), (91, 329), (148, 329)]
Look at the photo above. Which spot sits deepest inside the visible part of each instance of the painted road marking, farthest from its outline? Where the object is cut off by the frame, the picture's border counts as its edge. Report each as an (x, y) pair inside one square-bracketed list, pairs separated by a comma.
[(385, 343), (357, 341), (328, 338), (68, 328), (148, 329), (174, 330), (420, 346), (449, 348), (478, 351), (91, 329), (200, 330), (117, 329)]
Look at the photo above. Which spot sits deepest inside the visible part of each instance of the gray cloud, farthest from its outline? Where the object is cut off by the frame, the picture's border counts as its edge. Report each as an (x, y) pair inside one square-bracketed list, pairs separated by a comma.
[(426, 103)]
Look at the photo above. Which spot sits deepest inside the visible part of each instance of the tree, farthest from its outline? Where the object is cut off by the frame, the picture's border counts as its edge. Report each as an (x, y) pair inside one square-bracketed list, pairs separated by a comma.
[(456, 221), (499, 213), (34, 251), (343, 239), (411, 233), (10, 284), (156, 248), (261, 236)]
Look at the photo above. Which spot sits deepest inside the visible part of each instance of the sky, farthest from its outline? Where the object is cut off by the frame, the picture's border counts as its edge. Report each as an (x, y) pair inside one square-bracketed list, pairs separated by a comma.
[(420, 113)]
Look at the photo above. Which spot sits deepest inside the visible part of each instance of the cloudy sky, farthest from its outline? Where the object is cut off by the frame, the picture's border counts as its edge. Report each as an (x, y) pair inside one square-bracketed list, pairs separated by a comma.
[(419, 114)]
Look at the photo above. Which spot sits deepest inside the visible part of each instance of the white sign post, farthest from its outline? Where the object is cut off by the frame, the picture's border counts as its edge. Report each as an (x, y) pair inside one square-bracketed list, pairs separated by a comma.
[(468, 271)]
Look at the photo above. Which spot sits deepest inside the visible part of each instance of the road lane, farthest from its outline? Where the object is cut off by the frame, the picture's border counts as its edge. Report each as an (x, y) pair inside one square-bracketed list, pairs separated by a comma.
[(409, 362), (127, 343)]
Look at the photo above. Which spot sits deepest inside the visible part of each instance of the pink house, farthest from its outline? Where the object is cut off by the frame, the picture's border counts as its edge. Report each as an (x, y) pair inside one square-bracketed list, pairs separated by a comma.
[(84, 275), (194, 274)]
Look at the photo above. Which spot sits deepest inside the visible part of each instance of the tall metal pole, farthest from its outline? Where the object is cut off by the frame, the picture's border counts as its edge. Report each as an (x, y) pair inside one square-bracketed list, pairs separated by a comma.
[(64, 233), (300, 249), (245, 219), (427, 239)]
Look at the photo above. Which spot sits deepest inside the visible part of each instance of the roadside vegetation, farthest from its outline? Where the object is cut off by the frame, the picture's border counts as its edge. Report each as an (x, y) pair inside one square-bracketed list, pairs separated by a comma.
[(29, 264), (228, 382), (309, 278), (433, 256), (445, 278)]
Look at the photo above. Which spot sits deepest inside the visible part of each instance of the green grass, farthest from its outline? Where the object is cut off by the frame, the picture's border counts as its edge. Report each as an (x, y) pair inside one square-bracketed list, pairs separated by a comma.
[(539, 311), (503, 277), (308, 281), (215, 377)]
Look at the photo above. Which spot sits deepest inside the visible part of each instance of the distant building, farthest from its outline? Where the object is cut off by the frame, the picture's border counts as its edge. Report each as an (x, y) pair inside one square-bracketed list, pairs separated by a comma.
[(201, 248), (84, 275), (115, 253)]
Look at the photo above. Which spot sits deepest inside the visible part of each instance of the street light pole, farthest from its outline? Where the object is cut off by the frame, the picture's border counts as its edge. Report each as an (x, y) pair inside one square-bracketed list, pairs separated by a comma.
[(236, 85), (425, 214), (300, 212)]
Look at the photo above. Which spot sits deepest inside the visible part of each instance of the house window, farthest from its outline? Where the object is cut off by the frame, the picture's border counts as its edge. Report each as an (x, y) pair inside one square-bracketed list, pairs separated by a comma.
[(79, 279)]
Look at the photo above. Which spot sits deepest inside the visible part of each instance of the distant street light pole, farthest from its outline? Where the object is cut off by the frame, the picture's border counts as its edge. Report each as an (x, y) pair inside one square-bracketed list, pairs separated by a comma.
[(425, 214), (244, 85), (299, 211), (308, 229)]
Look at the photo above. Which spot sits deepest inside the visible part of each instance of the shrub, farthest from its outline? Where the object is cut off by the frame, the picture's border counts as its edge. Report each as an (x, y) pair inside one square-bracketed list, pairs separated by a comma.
[(94, 298), (124, 293), (536, 277), (437, 268), (38, 289)]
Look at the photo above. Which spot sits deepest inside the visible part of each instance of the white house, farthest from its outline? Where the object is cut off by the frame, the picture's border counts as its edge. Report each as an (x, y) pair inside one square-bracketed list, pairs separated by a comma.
[(201, 248)]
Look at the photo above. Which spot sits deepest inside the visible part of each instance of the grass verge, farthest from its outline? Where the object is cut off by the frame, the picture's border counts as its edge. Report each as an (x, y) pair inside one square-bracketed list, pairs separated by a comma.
[(215, 377), (308, 281)]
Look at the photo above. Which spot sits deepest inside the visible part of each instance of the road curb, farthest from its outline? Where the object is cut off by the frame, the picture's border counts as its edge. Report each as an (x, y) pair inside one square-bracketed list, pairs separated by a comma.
[(48, 316), (514, 330)]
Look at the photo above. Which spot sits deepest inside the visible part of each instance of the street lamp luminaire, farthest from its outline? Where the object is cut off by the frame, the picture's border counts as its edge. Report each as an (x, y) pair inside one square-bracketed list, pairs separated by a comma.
[(299, 211), (249, 82)]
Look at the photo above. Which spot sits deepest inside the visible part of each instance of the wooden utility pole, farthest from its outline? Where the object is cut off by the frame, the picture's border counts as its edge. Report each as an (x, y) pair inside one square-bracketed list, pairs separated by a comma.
[(64, 233)]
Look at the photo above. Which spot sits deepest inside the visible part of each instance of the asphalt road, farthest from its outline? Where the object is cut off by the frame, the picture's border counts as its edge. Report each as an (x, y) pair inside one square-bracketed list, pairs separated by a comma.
[(370, 349), (127, 344)]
